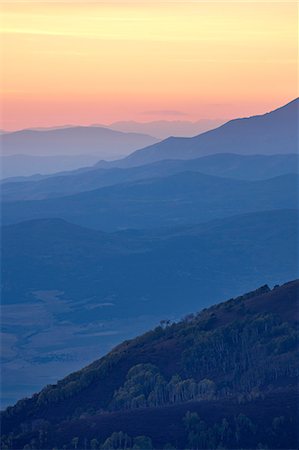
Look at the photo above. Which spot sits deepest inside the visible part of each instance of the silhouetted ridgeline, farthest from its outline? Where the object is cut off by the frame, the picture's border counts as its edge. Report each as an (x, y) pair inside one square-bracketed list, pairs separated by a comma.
[(267, 134), (226, 377), (245, 167), (182, 199), (28, 152), (73, 140)]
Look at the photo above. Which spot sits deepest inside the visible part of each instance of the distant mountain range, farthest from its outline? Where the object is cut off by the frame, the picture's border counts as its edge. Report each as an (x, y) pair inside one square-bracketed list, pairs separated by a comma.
[(180, 199), (226, 377), (64, 148), (162, 129), (28, 165), (255, 167), (72, 141), (70, 293), (271, 133)]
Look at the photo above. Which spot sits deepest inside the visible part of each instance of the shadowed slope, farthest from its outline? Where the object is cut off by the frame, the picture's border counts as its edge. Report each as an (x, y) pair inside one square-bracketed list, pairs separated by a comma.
[(259, 353)]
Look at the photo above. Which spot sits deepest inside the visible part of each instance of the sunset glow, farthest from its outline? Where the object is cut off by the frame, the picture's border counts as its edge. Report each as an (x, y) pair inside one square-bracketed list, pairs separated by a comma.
[(99, 62)]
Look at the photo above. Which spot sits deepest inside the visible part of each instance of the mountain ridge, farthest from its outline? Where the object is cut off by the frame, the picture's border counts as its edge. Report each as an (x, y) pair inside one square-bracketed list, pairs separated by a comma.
[(170, 201), (22, 151), (85, 179), (268, 133), (71, 132)]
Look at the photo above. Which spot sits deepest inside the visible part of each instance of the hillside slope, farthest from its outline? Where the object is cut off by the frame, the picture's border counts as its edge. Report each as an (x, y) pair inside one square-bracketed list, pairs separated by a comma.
[(244, 349), (274, 132), (253, 167), (250, 246), (181, 199)]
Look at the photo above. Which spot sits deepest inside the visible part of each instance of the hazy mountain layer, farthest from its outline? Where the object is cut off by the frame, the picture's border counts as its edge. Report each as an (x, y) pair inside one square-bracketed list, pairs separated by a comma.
[(73, 141), (162, 129), (27, 165), (254, 167), (23, 150), (271, 133), (181, 199)]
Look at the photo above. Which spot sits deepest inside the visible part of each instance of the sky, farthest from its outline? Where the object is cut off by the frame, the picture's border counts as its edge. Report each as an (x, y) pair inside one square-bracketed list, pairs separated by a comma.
[(99, 62)]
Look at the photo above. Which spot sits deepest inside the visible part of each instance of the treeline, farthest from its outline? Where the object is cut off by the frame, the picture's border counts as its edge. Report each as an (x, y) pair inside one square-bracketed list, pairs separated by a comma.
[(78, 381), (117, 440), (146, 387), (237, 432), (243, 357), (246, 355)]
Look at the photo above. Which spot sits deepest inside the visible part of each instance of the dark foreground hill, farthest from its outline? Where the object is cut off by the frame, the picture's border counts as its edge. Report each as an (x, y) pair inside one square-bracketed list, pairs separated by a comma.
[(226, 377), (246, 167), (271, 133), (181, 199)]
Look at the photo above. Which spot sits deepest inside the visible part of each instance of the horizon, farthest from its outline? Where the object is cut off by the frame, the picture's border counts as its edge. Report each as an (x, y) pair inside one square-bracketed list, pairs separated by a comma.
[(108, 125)]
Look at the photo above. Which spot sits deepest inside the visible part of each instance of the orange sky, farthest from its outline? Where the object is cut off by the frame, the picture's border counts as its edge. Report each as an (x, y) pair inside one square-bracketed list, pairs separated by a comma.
[(97, 62)]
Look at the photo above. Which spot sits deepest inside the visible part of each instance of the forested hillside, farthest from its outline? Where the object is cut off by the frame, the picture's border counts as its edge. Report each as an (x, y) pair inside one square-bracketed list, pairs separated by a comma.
[(208, 375)]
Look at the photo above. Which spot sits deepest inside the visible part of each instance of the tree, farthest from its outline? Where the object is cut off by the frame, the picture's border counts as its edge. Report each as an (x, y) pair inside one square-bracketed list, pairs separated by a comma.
[(224, 431), (142, 443), (94, 444), (197, 430), (245, 428), (75, 442), (117, 441), (191, 420), (164, 323)]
